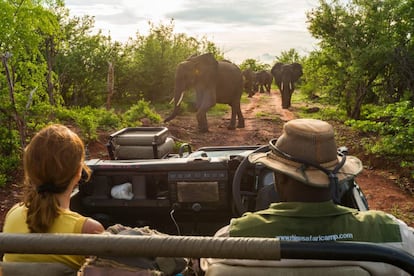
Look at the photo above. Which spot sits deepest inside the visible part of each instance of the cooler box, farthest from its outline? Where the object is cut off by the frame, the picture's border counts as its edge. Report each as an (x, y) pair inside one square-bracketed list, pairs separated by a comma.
[(140, 143)]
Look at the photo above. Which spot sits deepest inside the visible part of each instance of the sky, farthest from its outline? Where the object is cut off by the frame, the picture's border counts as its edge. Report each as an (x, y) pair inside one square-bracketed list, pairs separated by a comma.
[(241, 29)]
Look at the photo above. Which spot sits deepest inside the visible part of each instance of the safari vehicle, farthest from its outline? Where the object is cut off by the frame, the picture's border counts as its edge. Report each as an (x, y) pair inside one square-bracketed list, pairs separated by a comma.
[(184, 193), (190, 195)]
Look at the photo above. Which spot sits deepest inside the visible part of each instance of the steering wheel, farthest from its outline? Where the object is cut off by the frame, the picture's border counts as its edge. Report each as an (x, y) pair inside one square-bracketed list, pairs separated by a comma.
[(237, 193)]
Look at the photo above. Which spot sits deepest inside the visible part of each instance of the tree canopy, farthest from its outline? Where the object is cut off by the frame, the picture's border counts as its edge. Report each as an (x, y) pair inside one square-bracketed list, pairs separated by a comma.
[(368, 50)]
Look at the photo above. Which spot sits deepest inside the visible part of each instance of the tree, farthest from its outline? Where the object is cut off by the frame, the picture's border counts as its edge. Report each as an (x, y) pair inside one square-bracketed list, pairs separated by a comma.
[(82, 63), (289, 56), (25, 28), (363, 44), (253, 64), (152, 60)]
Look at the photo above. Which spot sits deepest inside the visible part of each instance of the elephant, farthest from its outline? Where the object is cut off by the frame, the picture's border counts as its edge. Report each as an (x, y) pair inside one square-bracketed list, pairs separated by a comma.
[(214, 82), (249, 79), (264, 81), (285, 77)]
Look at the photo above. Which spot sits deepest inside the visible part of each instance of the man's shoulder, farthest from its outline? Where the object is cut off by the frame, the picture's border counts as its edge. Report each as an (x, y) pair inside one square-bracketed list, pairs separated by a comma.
[(376, 215)]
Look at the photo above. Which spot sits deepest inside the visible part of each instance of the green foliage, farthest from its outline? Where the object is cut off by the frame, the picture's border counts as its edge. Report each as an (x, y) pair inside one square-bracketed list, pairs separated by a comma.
[(254, 65), (366, 52), (25, 28), (138, 111), (394, 124), (289, 56), (219, 109), (82, 64), (89, 120), (9, 153), (151, 62)]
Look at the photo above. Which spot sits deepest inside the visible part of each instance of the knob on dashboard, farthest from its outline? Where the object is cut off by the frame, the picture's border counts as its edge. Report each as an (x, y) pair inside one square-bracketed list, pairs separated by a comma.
[(196, 207)]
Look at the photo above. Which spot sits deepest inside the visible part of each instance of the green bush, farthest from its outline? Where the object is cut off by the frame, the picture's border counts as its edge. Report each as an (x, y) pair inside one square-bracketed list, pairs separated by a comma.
[(89, 120), (394, 126), (10, 154), (138, 111)]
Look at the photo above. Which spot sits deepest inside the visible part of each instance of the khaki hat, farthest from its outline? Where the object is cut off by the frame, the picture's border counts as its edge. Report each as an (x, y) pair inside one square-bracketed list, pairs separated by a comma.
[(303, 143)]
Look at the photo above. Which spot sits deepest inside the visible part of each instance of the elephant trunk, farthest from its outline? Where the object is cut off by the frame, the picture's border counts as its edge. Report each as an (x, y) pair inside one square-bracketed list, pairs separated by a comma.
[(286, 90), (179, 94)]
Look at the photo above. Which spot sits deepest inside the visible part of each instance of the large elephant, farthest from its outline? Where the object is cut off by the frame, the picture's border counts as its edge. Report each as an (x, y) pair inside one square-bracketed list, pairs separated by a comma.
[(285, 77), (249, 79), (264, 81), (214, 82)]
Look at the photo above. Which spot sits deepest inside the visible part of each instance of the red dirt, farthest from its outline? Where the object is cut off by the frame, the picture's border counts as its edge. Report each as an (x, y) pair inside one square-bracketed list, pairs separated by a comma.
[(264, 120)]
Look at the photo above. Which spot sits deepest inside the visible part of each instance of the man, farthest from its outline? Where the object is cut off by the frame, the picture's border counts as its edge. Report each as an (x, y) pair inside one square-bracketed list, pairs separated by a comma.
[(308, 172)]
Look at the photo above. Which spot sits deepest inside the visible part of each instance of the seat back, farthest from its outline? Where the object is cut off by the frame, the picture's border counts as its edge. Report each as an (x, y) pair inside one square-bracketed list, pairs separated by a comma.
[(217, 269), (35, 269)]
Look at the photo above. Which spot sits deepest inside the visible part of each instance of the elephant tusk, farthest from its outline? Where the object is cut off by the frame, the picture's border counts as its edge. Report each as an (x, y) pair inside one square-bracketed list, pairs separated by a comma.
[(172, 100), (281, 87), (290, 86), (181, 98)]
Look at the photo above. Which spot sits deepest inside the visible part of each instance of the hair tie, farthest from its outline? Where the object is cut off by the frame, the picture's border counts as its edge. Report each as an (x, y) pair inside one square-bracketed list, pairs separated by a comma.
[(49, 188)]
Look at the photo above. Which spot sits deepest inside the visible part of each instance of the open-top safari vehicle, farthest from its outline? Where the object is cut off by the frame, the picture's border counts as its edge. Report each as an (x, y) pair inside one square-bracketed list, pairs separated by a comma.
[(184, 193), (189, 195)]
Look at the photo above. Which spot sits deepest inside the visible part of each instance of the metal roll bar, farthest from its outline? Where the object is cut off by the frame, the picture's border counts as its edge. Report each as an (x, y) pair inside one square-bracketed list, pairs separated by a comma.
[(196, 247), (133, 245)]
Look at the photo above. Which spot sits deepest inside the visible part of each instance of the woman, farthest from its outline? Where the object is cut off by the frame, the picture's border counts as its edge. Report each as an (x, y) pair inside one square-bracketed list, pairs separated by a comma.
[(53, 163)]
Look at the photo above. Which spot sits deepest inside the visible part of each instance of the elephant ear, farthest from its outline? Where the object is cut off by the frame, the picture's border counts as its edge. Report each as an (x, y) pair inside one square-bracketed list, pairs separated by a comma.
[(296, 70), (205, 68), (276, 68)]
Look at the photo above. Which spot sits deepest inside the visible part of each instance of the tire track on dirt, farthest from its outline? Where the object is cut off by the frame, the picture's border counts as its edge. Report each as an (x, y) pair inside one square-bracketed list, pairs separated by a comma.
[(266, 103)]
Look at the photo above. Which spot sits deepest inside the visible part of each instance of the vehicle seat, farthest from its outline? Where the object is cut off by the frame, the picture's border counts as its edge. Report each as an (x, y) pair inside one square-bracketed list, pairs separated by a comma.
[(217, 269), (35, 269)]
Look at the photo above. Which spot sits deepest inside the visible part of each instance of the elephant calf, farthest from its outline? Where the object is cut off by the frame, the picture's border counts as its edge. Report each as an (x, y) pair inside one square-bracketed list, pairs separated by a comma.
[(264, 81), (249, 80)]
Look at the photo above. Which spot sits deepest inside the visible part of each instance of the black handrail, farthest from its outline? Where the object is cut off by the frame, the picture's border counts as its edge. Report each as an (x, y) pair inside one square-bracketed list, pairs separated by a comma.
[(195, 246)]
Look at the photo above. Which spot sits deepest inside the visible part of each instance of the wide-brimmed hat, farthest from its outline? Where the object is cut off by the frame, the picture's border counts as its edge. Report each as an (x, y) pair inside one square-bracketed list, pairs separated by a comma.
[(305, 142)]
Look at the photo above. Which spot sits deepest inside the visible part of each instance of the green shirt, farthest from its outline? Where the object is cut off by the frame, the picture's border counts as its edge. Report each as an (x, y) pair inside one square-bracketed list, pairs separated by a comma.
[(321, 221)]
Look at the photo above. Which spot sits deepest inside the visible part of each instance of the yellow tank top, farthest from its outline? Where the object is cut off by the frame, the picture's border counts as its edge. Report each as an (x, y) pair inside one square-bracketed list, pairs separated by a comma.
[(66, 222)]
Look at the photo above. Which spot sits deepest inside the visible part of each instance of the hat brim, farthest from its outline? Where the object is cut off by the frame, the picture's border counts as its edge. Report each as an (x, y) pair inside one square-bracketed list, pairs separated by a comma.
[(311, 176)]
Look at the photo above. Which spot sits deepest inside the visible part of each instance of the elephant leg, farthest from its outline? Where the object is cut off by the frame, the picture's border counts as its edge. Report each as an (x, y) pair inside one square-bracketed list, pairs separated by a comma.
[(202, 120), (289, 99), (240, 123), (250, 91), (286, 98), (232, 124), (236, 112)]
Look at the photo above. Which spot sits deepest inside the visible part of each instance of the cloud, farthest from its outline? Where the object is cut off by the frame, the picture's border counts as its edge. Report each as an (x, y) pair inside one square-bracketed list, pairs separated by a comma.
[(229, 12), (240, 28), (124, 17)]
